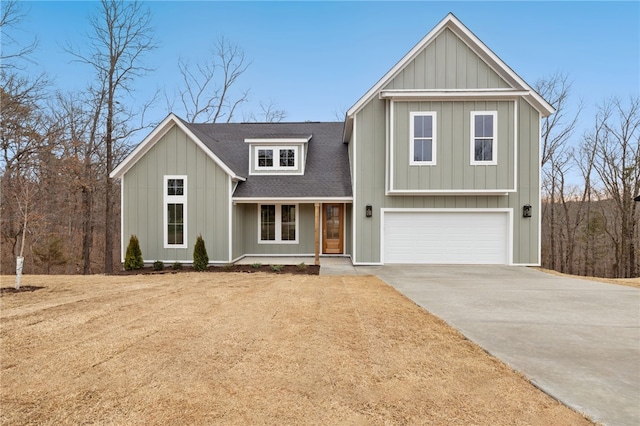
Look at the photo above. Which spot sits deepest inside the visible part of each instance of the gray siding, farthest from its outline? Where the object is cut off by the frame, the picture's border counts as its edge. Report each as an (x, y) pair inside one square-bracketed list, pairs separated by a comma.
[(447, 63), (370, 150), (207, 200), (306, 233), (453, 169)]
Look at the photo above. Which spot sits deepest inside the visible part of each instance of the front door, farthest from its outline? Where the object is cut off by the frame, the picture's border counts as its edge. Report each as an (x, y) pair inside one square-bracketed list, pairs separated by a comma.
[(332, 239)]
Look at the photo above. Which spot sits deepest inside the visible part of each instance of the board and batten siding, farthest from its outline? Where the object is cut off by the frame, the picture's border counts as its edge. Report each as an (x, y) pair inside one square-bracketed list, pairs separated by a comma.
[(207, 200), (370, 152), (306, 233), (447, 63), (453, 169)]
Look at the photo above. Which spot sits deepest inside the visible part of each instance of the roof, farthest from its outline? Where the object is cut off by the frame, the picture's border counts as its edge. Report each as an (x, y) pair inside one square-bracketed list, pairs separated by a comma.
[(452, 23), (327, 173)]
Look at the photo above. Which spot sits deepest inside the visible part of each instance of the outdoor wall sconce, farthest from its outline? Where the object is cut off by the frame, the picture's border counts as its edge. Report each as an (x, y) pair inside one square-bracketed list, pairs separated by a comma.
[(368, 211), (526, 210)]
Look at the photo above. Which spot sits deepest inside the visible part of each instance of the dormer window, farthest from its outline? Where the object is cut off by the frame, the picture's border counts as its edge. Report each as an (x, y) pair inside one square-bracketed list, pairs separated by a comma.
[(278, 155), (285, 158)]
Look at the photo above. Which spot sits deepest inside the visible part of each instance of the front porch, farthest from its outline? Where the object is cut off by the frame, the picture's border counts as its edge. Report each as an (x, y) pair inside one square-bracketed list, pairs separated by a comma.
[(329, 265)]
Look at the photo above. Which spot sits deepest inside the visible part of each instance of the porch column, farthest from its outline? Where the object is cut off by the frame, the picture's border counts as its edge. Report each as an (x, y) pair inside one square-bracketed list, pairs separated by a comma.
[(317, 245)]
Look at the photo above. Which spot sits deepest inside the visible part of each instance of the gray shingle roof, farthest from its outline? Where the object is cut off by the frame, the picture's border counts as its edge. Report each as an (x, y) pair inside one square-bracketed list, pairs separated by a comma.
[(327, 171)]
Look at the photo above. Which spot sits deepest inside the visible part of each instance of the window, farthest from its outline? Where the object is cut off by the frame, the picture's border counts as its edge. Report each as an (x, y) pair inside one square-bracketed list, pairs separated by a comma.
[(265, 158), (423, 138), (286, 158), (175, 212), (278, 223), (483, 137)]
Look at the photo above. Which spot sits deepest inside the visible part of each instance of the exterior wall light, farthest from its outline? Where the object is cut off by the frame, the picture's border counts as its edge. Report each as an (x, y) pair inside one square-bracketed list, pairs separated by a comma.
[(526, 210), (368, 211)]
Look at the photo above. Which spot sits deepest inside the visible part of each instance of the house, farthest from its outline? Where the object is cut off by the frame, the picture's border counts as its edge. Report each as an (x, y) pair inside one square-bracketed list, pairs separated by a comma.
[(437, 163)]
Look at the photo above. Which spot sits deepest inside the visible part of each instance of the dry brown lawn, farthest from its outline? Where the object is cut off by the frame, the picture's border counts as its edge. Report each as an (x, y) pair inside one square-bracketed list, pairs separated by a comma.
[(247, 349), (629, 282)]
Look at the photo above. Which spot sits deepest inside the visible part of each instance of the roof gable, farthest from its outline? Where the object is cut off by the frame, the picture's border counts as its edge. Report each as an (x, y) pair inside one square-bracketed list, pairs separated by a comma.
[(450, 25), (161, 129)]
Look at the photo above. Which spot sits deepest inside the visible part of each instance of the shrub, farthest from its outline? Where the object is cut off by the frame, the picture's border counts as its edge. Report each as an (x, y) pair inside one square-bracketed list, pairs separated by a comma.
[(158, 265), (177, 266), (228, 266), (133, 257), (302, 266), (276, 268), (200, 258), (256, 265)]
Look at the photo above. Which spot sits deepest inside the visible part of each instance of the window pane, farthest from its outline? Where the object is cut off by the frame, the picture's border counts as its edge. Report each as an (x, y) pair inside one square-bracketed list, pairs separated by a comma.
[(483, 150), (268, 223), (287, 158), (483, 126), (175, 187), (265, 158), (175, 223), (422, 126), (288, 223), (422, 150)]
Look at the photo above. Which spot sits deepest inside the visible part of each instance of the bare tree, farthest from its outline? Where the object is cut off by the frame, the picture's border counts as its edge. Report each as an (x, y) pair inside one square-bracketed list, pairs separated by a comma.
[(617, 163), (269, 113), (13, 54), (206, 94), (121, 36), (558, 128)]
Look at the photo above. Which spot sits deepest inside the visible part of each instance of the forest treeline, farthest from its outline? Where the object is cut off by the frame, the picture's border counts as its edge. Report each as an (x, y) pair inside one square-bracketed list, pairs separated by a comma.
[(60, 209)]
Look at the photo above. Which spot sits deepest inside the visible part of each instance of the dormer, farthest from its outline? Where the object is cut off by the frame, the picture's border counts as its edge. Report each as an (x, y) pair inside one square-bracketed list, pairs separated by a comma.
[(274, 155)]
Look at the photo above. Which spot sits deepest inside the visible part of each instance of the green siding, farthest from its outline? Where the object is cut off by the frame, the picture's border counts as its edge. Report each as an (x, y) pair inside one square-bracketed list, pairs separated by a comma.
[(370, 150), (306, 233), (207, 199), (447, 63), (453, 169)]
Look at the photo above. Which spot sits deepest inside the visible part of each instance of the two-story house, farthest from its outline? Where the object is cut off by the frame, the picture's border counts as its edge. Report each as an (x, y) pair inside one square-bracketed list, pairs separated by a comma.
[(437, 163)]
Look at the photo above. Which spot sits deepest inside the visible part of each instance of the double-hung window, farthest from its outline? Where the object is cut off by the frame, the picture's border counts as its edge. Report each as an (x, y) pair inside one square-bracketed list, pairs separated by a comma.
[(483, 137), (175, 211), (278, 223), (423, 138)]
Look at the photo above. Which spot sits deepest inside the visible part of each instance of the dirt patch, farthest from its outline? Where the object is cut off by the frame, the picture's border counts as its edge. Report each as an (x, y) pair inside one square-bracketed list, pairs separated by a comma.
[(22, 289), (247, 349), (629, 282)]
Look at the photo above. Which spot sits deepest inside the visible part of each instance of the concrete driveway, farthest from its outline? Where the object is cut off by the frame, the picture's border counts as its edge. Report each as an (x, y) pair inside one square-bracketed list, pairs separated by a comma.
[(577, 340)]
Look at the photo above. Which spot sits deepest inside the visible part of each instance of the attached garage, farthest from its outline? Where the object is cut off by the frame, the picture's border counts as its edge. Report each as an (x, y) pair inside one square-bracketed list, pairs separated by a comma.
[(452, 236)]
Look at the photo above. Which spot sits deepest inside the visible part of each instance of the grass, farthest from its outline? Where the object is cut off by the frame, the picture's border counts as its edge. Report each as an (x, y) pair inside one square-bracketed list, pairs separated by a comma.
[(256, 348)]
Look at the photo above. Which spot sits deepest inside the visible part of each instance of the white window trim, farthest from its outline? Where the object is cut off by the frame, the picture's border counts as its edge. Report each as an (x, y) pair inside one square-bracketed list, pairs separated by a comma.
[(278, 239), (174, 199), (494, 145), (434, 137), (276, 157)]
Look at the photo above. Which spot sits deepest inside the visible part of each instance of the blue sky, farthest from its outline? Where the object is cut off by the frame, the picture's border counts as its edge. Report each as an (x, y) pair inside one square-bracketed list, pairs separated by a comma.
[(315, 59)]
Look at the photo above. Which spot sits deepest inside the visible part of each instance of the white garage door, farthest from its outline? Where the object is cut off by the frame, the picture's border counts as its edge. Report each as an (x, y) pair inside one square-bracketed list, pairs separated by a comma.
[(446, 237)]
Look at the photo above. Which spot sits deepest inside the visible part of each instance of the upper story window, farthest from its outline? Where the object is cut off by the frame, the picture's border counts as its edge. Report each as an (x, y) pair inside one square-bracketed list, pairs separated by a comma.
[(423, 138), (483, 137), (276, 158), (175, 211)]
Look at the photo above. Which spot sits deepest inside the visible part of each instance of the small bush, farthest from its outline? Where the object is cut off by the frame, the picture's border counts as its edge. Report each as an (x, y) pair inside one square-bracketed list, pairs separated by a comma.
[(200, 258), (158, 265), (133, 257), (177, 266), (302, 266), (276, 268), (256, 265), (228, 266)]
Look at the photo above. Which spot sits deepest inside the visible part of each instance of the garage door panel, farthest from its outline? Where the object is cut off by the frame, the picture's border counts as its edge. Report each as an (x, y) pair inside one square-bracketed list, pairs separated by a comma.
[(446, 237)]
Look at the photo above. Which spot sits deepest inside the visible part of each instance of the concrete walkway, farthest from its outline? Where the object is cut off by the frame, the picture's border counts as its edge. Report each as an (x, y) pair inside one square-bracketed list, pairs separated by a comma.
[(577, 340)]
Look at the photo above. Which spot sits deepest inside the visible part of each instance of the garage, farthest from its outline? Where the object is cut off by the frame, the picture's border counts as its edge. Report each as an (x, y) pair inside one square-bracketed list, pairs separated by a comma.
[(446, 236)]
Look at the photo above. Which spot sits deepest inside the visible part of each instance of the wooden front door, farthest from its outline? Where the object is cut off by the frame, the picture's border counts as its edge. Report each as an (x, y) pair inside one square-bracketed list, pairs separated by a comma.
[(332, 228)]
